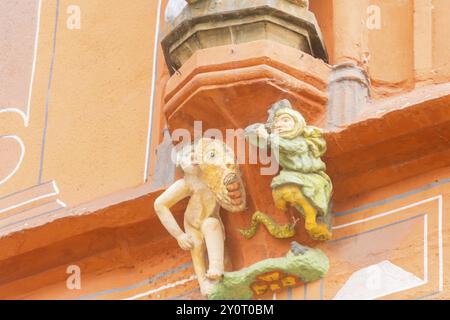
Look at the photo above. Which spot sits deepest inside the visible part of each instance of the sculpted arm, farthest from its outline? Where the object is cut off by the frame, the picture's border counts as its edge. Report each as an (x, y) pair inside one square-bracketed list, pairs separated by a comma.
[(257, 135), (294, 146), (177, 192)]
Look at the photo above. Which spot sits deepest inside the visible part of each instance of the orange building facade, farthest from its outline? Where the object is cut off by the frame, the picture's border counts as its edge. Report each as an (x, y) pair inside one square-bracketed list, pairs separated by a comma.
[(91, 91)]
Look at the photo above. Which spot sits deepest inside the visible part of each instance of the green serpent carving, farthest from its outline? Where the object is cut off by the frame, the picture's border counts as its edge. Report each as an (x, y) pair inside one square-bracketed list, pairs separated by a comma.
[(279, 231)]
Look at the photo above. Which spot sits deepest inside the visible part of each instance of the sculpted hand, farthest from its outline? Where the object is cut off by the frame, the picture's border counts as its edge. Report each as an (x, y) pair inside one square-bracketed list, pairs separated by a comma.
[(185, 241), (261, 132)]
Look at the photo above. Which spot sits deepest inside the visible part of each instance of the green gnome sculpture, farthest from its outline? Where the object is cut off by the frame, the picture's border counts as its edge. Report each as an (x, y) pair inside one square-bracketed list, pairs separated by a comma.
[(302, 182)]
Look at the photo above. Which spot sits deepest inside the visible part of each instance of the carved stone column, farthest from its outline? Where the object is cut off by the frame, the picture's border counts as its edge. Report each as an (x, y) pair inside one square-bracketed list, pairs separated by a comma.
[(349, 86), (349, 92)]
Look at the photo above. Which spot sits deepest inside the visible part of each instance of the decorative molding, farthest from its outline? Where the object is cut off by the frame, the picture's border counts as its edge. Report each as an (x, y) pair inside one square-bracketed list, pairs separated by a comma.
[(19, 160), (25, 112), (24, 209)]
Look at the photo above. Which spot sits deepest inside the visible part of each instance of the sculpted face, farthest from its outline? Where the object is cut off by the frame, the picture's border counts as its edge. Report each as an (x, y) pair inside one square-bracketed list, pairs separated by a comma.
[(283, 123), (219, 171), (185, 160)]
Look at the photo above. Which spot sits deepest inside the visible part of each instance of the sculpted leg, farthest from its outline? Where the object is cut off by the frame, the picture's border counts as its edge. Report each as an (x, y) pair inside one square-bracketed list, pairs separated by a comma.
[(282, 196), (198, 254), (292, 195), (214, 238), (317, 231)]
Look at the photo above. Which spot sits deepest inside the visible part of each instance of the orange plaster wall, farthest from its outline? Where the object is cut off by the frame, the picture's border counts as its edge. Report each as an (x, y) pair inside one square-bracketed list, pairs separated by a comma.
[(441, 40), (391, 61), (406, 224), (96, 144), (323, 11), (410, 47), (94, 140), (98, 105), (12, 124)]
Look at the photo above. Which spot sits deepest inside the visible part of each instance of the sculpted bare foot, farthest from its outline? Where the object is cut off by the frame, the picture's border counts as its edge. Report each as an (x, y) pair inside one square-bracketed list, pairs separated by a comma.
[(214, 273), (319, 232), (207, 286)]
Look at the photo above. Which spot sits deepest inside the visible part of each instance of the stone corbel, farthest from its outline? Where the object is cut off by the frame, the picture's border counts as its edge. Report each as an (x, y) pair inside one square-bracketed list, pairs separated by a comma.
[(229, 84), (211, 23)]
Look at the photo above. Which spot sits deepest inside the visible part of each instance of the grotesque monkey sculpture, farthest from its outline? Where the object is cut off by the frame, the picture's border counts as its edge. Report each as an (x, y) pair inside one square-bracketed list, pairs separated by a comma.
[(211, 180)]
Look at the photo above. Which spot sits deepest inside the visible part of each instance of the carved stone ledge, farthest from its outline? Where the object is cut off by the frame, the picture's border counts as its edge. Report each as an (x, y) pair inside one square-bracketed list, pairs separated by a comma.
[(28, 208), (391, 140), (208, 23), (112, 211)]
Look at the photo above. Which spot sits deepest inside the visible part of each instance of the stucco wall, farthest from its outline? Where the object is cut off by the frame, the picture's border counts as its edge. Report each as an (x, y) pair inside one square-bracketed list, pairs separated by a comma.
[(91, 92), (74, 127), (88, 119)]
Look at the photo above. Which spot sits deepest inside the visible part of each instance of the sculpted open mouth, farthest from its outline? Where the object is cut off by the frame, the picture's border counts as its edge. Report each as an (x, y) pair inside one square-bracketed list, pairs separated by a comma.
[(233, 185)]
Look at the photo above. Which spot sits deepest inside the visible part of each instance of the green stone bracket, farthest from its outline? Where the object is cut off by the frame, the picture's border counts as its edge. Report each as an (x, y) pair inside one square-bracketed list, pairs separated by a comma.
[(305, 263)]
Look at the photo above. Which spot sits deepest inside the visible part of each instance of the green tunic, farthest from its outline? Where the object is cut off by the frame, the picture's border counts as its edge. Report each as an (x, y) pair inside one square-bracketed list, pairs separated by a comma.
[(301, 165)]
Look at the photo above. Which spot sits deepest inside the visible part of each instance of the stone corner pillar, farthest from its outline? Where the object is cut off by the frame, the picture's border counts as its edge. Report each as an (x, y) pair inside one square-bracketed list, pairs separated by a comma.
[(349, 92)]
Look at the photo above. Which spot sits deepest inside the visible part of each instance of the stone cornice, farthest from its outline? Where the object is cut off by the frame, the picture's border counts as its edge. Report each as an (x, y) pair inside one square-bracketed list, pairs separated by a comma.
[(208, 24), (392, 139)]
